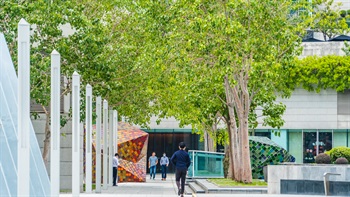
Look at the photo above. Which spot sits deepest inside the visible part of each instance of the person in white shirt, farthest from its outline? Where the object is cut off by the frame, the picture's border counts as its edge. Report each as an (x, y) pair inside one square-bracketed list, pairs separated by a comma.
[(115, 169)]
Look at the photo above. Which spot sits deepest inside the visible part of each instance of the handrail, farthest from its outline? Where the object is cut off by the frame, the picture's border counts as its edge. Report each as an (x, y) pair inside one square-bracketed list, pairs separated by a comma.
[(201, 151), (326, 181)]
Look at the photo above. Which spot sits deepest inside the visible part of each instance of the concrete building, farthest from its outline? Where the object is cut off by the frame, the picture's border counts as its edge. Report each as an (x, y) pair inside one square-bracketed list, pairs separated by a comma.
[(314, 122)]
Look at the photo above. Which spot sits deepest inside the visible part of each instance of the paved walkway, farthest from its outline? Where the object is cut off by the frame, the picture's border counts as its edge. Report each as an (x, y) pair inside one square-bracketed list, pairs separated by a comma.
[(149, 188), (161, 188)]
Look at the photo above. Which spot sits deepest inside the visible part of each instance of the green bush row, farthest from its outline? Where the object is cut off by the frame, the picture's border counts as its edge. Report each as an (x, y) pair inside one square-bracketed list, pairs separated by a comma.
[(338, 152)]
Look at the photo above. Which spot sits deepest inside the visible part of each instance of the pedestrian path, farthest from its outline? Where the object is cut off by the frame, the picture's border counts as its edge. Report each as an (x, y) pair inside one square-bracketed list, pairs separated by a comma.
[(151, 187), (159, 188)]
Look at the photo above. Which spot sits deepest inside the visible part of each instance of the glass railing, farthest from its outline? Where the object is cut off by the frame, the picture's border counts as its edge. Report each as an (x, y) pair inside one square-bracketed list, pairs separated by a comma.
[(206, 164)]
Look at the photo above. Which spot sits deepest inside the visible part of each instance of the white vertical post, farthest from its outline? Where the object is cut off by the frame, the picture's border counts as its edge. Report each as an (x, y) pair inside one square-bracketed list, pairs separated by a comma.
[(110, 148), (115, 118), (76, 135), (23, 154), (98, 144), (105, 144), (55, 123), (88, 142)]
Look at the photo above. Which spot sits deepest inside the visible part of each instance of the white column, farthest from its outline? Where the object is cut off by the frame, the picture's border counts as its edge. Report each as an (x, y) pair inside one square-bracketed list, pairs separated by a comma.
[(110, 148), (105, 143), (55, 123), (98, 144), (115, 118), (88, 141), (23, 154), (76, 135)]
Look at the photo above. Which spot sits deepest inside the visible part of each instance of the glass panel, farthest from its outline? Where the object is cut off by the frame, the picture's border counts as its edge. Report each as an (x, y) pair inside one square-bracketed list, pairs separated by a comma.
[(325, 141), (262, 133), (339, 137), (310, 146), (295, 144), (205, 165)]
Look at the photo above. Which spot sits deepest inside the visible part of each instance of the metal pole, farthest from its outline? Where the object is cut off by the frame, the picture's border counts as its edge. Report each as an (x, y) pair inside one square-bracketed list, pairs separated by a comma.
[(105, 143), (88, 142), (55, 123), (110, 148), (76, 135), (115, 118), (23, 154), (98, 145)]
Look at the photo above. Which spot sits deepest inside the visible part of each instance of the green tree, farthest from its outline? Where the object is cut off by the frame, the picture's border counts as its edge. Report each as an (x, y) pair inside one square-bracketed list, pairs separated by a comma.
[(103, 46), (229, 58), (45, 19), (328, 19)]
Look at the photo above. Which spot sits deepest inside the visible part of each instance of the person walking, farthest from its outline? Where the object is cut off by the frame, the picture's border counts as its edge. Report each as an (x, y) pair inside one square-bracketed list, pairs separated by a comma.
[(152, 163), (182, 161), (115, 169), (164, 163)]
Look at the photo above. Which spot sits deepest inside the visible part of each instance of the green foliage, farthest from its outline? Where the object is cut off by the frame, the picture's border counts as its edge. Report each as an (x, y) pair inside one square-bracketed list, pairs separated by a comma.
[(341, 160), (343, 13), (231, 183), (323, 158), (346, 48), (203, 41), (317, 73), (338, 152), (222, 137), (103, 44), (328, 19)]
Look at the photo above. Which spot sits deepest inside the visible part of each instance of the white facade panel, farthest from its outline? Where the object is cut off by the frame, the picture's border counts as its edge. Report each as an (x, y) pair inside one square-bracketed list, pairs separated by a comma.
[(345, 4), (310, 110)]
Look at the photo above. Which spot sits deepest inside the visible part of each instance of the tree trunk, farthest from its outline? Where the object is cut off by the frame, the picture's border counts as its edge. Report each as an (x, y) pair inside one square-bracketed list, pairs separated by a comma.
[(227, 164), (246, 169), (209, 139), (46, 148), (234, 142), (211, 145), (238, 104)]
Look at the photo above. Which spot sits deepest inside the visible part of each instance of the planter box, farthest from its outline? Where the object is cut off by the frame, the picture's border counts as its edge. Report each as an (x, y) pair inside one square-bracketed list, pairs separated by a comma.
[(304, 172)]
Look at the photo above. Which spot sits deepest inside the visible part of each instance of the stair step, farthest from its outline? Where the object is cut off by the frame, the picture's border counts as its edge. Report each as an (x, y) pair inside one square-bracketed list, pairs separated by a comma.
[(188, 190), (196, 188)]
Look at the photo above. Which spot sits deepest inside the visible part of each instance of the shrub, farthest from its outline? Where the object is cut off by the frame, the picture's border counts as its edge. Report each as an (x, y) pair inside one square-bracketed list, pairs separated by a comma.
[(323, 158), (343, 13), (341, 160), (338, 152)]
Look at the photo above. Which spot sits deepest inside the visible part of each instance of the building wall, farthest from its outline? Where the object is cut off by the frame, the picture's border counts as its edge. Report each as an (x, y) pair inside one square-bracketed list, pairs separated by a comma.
[(65, 152), (322, 48), (345, 4), (310, 110)]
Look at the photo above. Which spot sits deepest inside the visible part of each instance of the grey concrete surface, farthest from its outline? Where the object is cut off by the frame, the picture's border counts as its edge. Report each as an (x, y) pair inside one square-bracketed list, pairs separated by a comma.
[(161, 188)]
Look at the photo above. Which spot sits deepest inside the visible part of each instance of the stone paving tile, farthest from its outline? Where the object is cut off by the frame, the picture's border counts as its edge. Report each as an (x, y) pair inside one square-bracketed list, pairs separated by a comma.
[(159, 188), (152, 187)]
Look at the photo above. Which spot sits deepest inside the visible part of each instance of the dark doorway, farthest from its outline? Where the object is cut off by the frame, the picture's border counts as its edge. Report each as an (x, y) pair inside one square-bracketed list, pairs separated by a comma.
[(168, 142)]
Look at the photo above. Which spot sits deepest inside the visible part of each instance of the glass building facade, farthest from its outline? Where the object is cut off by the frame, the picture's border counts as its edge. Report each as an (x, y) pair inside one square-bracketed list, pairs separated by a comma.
[(305, 144)]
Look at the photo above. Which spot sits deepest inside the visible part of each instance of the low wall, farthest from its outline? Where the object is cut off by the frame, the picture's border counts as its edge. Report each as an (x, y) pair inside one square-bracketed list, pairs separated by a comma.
[(304, 172)]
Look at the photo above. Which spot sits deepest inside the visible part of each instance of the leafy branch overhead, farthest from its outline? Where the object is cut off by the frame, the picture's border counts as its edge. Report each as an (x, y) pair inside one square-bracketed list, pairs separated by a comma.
[(328, 19)]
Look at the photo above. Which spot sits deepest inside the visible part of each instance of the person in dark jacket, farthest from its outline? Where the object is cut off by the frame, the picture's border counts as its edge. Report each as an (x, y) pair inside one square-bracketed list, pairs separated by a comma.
[(182, 161)]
